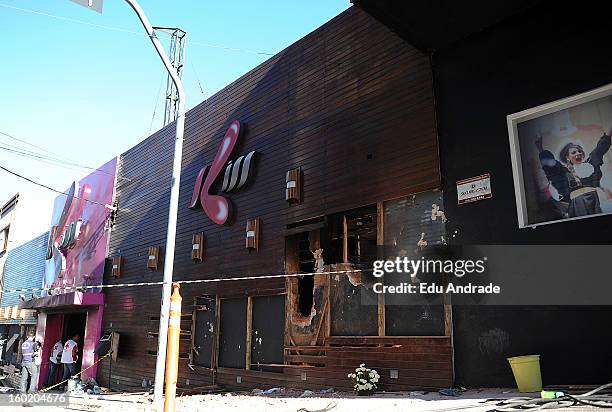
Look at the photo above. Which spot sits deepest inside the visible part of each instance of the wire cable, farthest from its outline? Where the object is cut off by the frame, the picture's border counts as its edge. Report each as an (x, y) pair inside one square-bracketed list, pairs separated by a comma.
[(589, 399), (59, 160), (10, 136), (230, 278), (48, 187), (54, 162), (195, 72), (161, 83), (123, 30), (35, 156)]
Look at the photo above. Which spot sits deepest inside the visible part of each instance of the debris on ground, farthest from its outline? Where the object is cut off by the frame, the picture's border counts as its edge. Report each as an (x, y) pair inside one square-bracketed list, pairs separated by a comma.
[(450, 392), (270, 391), (290, 400)]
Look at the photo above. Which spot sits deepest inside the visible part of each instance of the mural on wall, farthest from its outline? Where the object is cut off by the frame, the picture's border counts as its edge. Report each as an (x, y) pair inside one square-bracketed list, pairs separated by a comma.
[(219, 208), (561, 158), (78, 238)]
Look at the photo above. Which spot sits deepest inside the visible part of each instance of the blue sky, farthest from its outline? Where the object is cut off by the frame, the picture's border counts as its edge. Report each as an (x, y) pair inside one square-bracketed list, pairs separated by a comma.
[(88, 93)]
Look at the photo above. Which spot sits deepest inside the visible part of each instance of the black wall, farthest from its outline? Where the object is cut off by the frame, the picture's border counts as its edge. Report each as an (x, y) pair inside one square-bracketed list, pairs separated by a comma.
[(547, 53)]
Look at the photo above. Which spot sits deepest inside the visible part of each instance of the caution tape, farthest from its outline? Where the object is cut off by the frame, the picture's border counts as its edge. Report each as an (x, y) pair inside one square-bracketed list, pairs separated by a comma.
[(64, 289), (76, 374)]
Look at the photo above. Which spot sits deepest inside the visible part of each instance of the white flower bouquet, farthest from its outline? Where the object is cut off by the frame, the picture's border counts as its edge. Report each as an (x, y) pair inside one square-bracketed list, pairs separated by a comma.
[(364, 380)]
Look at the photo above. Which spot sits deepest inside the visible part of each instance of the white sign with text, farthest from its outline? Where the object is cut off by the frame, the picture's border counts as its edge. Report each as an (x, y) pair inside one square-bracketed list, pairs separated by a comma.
[(474, 188)]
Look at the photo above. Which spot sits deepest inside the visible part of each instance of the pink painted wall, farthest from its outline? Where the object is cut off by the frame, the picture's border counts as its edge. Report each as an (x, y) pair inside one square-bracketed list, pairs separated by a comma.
[(48, 330), (93, 331), (83, 262)]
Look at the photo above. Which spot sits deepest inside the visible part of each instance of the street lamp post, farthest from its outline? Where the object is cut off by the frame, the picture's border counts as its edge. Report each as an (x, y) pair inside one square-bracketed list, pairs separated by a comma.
[(162, 337), (160, 365)]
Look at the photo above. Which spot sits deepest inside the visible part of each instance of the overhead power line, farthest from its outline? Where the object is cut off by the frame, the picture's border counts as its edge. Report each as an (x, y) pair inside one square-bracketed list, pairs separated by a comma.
[(36, 156), (121, 29), (32, 145), (161, 83), (40, 159), (49, 187), (195, 72), (55, 161)]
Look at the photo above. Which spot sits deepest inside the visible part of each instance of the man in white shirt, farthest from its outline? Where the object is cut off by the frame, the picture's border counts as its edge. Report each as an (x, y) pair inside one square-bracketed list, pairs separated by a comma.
[(54, 360), (70, 356)]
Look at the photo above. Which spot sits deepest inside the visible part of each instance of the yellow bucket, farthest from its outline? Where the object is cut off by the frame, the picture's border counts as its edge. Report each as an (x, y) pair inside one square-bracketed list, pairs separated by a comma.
[(526, 370)]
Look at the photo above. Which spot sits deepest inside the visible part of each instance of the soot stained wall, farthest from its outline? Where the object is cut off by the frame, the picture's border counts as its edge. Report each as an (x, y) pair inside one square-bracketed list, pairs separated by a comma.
[(348, 104), (550, 52)]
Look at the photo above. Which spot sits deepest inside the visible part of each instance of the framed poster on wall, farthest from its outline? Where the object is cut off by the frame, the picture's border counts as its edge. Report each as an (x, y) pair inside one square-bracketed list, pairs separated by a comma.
[(561, 159)]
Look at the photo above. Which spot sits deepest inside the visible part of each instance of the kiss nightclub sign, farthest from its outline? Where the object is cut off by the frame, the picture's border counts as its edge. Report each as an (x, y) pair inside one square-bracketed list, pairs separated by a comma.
[(236, 174)]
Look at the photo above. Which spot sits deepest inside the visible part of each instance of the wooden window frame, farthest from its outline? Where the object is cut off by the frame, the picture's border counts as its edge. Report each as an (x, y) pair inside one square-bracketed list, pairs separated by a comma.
[(380, 242)]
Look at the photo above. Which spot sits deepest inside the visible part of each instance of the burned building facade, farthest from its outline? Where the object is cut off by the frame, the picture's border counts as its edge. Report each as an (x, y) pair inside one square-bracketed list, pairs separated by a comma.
[(320, 160)]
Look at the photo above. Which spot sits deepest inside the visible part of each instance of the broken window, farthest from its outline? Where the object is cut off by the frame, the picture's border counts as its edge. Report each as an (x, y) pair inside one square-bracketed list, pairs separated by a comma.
[(347, 240), (300, 259), (305, 294), (358, 226), (353, 305), (414, 227), (361, 230)]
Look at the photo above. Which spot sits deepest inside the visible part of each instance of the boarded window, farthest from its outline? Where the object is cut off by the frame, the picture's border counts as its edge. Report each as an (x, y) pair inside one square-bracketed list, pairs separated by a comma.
[(204, 333), (268, 333), (232, 340)]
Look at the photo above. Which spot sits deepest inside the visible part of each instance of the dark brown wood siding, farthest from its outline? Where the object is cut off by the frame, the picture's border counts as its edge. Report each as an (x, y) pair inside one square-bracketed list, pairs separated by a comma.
[(351, 104)]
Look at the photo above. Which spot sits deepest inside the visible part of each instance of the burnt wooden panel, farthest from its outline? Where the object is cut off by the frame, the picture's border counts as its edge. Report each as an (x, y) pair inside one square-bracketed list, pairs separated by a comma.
[(350, 104), (203, 335), (232, 338), (268, 331), (307, 328), (353, 306)]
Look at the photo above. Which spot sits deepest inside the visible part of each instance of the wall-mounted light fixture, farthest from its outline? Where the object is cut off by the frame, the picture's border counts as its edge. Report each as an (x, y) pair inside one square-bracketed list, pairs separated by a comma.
[(117, 268), (293, 183), (252, 234), (197, 247), (153, 257)]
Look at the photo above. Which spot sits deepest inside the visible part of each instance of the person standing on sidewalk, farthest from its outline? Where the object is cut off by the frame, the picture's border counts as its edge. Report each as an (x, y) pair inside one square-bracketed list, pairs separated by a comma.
[(54, 360), (29, 367), (70, 356)]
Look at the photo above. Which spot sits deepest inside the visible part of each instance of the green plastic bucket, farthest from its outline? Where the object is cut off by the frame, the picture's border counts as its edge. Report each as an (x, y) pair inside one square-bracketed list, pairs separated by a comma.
[(526, 370)]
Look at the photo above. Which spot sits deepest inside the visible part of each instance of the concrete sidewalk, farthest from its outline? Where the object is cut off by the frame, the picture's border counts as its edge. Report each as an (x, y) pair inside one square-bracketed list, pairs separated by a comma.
[(478, 400)]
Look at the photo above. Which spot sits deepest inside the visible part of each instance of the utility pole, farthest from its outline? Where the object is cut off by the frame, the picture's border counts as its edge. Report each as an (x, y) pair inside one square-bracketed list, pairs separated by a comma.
[(160, 365), (177, 53)]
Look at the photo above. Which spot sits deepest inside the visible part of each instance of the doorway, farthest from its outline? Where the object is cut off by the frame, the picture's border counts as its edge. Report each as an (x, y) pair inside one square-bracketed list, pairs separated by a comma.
[(74, 323)]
